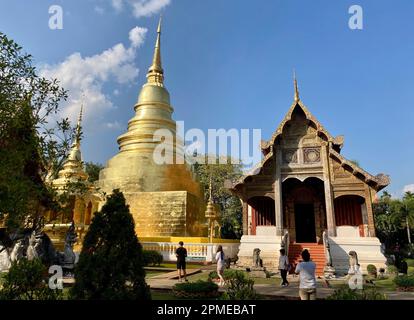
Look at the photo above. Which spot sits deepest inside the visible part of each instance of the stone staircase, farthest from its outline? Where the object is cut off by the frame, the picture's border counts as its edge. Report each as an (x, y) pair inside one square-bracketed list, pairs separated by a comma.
[(316, 251)]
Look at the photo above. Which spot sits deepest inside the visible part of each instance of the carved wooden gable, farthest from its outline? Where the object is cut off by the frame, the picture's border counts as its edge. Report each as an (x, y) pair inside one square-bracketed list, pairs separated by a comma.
[(300, 142)]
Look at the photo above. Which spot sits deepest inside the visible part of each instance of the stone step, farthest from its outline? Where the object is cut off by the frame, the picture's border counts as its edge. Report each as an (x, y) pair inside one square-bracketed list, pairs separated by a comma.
[(316, 251)]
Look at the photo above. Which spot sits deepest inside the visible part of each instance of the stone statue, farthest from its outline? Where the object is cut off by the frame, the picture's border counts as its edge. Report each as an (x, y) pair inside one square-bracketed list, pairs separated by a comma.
[(17, 251), (327, 248), (69, 257), (257, 262), (257, 270), (329, 270), (5, 261), (285, 242), (353, 263), (32, 248)]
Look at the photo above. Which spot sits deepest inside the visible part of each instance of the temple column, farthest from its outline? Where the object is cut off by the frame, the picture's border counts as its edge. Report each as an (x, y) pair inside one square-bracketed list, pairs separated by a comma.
[(370, 214), (278, 194), (364, 214), (245, 218), (78, 211), (329, 203)]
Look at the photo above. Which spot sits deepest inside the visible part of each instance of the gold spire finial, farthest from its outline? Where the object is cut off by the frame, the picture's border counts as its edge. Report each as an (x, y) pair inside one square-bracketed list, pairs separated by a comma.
[(79, 125), (155, 73), (211, 191), (296, 87)]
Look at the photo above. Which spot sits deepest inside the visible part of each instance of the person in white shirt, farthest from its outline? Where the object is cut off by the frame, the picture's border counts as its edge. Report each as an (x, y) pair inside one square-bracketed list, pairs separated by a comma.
[(306, 270), (220, 264), (283, 267)]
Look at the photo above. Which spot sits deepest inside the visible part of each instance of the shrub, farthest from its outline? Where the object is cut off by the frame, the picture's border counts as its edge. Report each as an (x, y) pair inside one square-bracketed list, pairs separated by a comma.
[(228, 273), (198, 289), (111, 264), (393, 270), (239, 287), (346, 293), (25, 281), (152, 258), (372, 270), (404, 283)]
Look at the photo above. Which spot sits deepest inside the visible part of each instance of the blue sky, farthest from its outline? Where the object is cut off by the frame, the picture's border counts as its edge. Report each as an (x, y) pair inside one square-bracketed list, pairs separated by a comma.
[(229, 64)]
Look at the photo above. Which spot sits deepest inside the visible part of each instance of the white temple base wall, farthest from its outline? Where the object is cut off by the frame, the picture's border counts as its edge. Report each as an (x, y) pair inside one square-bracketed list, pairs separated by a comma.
[(269, 244), (368, 250), (196, 252)]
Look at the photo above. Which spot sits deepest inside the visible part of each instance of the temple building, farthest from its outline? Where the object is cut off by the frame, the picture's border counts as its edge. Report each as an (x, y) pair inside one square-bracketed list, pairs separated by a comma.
[(165, 199), (83, 199), (304, 189)]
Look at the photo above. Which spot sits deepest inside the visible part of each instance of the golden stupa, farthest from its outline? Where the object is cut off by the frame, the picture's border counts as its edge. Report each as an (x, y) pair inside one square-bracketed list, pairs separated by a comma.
[(83, 198), (165, 200)]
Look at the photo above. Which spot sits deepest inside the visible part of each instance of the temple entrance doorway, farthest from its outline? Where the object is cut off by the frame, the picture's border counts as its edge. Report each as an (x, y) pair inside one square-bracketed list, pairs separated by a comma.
[(305, 222), (304, 209)]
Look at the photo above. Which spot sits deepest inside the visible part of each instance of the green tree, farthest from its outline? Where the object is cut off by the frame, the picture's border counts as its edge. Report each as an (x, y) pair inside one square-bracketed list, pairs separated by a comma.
[(30, 145), (404, 213), (111, 262), (230, 206), (25, 281), (93, 169), (386, 221)]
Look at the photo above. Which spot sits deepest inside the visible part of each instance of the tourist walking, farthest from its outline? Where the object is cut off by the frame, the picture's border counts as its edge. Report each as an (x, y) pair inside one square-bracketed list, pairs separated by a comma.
[(220, 264), (181, 254), (307, 281), (283, 267)]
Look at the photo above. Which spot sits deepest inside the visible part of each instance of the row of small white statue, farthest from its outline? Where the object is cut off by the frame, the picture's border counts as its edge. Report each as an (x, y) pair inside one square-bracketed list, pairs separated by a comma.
[(38, 245)]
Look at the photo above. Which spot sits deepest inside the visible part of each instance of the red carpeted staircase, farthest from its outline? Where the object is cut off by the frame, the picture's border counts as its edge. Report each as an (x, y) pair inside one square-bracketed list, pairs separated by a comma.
[(316, 251)]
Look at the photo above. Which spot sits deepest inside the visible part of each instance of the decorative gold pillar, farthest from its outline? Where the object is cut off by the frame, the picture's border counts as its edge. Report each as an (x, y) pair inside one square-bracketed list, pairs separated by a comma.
[(78, 211), (278, 193), (370, 214), (245, 218), (329, 203)]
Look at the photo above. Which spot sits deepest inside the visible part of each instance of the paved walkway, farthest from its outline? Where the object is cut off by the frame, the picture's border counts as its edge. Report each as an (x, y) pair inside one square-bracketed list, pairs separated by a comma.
[(268, 290), (281, 293)]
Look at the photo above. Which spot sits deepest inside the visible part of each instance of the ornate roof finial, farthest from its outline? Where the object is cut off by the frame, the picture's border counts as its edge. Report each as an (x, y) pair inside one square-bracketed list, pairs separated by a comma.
[(79, 125), (155, 73), (210, 199), (296, 86)]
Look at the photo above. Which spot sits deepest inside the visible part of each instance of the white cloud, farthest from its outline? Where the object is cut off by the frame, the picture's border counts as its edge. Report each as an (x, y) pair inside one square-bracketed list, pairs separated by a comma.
[(99, 10), (118, 4), (137, 36), (146, 8), (142, 8), (113, 125), (409, 187), (85, 78)]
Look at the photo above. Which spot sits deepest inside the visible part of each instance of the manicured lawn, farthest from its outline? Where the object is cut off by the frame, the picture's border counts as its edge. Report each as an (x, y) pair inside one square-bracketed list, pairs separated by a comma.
[(204, 276), (150, 274), (272, 281), (174, 265), (199, 276), (385, 284)]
